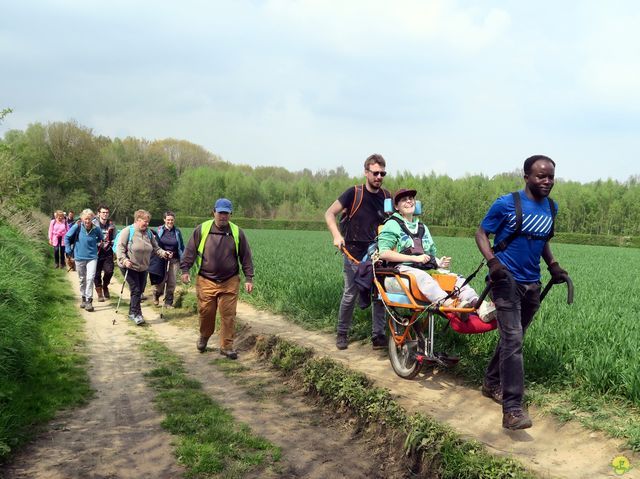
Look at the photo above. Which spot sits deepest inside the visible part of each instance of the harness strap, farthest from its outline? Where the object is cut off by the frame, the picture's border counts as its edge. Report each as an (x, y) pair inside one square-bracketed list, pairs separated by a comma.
[(518, 227)]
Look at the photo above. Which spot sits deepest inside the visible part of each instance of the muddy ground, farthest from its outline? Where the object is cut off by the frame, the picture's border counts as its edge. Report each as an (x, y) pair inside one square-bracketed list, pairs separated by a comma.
[(118, 434)]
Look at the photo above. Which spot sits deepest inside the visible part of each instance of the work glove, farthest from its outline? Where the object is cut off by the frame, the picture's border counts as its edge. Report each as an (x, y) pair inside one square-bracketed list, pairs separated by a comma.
[(558, 275), (497, 270)]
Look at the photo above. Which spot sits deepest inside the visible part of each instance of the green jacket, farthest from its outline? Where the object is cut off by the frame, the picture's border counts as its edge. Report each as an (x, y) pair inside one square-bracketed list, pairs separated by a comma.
[(392, 237)]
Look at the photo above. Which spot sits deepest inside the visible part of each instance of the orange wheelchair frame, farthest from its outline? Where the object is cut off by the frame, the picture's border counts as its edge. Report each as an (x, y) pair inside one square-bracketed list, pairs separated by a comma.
[(412, 320), (411, 338)]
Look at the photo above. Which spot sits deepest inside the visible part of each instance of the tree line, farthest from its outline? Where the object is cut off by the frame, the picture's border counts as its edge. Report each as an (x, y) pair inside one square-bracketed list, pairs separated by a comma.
[(64, 165)]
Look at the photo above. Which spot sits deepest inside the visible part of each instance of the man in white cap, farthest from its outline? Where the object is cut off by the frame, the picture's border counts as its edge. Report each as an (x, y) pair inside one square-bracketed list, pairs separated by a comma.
[(216, 250)]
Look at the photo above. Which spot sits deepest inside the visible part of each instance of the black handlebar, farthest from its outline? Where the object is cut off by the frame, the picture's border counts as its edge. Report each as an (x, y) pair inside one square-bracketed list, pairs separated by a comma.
[(569, 290), (544, 292)]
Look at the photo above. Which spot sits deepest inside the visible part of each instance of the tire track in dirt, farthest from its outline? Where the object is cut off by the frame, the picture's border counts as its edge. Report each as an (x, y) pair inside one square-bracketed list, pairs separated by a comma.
[(314, 445), (117, 434)]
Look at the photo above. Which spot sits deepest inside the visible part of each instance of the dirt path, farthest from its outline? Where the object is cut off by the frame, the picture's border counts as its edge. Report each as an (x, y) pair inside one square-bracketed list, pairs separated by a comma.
[(117, 435)]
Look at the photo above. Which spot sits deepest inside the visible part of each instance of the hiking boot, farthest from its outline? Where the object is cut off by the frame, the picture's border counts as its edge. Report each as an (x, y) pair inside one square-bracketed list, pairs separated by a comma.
[(100, 295), (132, 317), (202, 344), (516, 419), (230, 353), (83, 304), (139, 320), (492, 392), (342, 342), (105, 292), (379, 342), (89, 305)]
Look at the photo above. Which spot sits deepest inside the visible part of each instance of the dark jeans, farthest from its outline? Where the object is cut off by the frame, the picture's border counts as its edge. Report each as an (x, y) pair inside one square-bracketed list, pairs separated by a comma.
[(136, 281), (105, 265), (516, 304), (58, 255)]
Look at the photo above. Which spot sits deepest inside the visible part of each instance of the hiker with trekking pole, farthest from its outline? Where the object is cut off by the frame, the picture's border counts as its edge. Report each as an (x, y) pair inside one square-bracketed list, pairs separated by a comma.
[(163, 273), (362, 210), (133, 246), (81, 242), (522, 224)]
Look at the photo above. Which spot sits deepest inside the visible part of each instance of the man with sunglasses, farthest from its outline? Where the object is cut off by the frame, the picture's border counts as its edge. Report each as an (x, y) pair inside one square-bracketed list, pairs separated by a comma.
[(362, 210)]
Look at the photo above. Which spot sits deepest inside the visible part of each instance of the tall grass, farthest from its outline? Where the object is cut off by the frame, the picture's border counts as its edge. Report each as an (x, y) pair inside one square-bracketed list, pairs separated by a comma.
[(591, 345), (40, 332)]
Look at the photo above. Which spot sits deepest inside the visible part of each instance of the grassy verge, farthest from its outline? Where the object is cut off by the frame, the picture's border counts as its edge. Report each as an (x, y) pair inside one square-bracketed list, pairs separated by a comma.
[(42, 357), (615, 417), (432, 449), (210, 443)]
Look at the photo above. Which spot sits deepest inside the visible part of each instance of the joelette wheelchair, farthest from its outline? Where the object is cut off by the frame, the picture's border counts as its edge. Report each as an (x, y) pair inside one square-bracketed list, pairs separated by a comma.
[(413, 318)]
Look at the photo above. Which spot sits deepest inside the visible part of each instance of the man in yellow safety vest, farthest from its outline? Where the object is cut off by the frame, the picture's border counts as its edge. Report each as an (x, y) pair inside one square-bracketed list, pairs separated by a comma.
[(216, 250)]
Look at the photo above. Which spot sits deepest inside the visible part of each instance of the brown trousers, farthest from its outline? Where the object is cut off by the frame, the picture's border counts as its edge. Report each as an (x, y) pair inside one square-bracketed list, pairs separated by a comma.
[(218, 296)]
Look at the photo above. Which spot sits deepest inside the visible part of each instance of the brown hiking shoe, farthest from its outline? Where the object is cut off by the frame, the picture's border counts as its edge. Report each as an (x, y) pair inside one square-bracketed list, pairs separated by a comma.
[(492, 392), (516, 419), (230, 353), (100, 295), (202, 344)]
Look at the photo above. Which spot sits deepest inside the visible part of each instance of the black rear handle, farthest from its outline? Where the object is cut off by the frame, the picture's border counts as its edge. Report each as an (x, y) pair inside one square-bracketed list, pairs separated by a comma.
[(569, 290), (487, 288)]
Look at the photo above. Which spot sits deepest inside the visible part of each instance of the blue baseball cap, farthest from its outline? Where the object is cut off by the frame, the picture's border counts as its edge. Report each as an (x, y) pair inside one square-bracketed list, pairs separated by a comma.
[(223, 205)]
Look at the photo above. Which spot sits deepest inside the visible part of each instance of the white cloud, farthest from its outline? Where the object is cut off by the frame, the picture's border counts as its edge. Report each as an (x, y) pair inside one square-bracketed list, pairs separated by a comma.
[(363, 27), (611, 72)]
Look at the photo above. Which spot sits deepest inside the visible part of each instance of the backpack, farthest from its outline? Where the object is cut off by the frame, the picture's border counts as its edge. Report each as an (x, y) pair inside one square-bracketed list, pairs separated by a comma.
[(518, 230), (347, 214), (114, 248)]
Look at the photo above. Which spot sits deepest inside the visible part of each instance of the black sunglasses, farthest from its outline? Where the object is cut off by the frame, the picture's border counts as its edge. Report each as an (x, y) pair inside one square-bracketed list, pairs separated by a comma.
[(378, 173)]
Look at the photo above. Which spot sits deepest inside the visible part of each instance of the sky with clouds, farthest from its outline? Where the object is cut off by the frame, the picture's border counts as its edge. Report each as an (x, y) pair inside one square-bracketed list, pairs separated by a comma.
[(455, 87)]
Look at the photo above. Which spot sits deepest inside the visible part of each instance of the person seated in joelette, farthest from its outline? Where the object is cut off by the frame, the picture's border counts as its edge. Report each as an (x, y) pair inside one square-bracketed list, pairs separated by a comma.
[(417, 254)]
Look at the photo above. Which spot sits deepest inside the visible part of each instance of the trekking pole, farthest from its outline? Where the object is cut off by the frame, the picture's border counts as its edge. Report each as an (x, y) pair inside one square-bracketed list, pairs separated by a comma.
[(122, 289), (164, 295)]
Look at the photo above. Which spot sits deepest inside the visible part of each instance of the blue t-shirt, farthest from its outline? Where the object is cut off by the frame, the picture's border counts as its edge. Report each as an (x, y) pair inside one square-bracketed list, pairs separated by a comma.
[(522, 256)]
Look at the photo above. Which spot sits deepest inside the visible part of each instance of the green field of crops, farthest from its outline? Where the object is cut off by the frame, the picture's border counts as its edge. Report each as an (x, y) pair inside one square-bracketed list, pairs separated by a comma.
[(591, 345)]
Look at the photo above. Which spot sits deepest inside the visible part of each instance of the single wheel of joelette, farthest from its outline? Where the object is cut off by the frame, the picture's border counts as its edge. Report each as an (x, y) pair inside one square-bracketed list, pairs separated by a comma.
[(403, 358)]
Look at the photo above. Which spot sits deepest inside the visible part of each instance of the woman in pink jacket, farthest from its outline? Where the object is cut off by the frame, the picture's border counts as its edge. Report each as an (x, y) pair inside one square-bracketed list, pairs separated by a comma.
[(57, 229)]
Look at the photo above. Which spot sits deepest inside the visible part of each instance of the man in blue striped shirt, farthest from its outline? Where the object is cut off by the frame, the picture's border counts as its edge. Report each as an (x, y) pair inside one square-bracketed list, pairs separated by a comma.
[(522, 224)]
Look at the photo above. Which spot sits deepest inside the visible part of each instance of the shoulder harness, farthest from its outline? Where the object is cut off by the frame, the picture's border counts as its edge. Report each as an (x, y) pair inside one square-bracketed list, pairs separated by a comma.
[(518, 230)]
